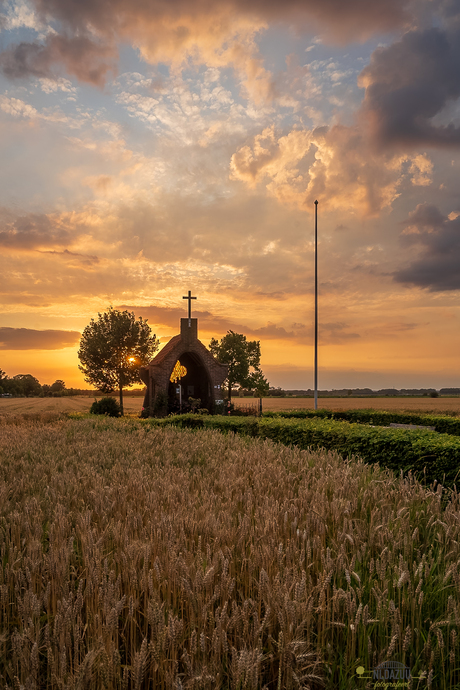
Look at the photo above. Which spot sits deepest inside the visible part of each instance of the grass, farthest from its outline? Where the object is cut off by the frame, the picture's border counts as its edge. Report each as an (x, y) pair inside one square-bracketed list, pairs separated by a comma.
[(138, 557)]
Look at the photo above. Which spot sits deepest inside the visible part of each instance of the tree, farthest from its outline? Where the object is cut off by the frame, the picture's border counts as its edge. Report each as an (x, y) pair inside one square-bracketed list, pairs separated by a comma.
[(58, 386), (241, 356), (112, 348), (3, 378), (259, 384), (25, 384)]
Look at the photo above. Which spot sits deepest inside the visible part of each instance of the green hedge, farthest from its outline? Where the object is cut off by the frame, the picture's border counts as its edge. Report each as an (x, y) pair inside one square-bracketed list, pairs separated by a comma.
[(441, 423), (428, 455)]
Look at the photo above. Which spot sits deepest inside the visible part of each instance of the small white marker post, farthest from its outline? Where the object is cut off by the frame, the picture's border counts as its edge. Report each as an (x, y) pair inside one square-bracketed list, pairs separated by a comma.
[(316, 305)]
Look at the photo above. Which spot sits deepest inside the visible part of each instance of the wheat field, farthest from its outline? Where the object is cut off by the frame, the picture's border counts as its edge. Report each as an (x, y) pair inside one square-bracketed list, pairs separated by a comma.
[(66, 404), (425, 405), (138, 557), (133, 405)]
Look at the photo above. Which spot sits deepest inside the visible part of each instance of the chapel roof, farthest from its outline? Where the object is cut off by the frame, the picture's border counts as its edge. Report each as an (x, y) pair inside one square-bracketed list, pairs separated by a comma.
[(168, 348)]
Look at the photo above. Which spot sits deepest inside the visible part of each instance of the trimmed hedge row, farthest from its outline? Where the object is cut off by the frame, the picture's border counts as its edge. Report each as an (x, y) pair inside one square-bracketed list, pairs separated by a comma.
[(442, 423), (428, 455)]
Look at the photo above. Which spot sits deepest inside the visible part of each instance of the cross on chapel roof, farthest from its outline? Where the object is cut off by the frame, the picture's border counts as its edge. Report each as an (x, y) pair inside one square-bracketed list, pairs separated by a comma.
[(189, 297)]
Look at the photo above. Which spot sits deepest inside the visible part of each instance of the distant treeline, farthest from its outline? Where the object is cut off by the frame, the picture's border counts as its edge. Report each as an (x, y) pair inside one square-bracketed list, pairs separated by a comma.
[(355, 392), (26, 385)]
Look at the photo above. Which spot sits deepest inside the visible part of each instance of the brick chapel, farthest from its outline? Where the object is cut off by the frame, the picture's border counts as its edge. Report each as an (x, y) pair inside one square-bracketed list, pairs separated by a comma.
[(183, 369)]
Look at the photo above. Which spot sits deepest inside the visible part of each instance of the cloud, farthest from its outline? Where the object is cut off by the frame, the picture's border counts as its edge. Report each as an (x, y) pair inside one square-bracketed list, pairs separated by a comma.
[(78, 259), (178, 19), (52, 86), (437, 238), (21, 14), (408, 86), (79, 56), (29, 339), (335, 332), (34, 231), (17, 108), (334, 165), (272, 331), (207, 322), (218, 34), (421, 170)]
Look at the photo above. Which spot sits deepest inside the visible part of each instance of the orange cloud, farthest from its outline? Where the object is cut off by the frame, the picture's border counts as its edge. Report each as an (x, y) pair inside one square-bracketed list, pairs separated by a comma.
[(335, 165), (218, 34), (30, 339)]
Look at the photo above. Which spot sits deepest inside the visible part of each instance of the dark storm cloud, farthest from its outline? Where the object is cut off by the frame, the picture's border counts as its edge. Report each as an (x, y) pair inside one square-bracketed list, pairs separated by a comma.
[(76, 55), (176, 24), (438, 237), (29, 339), (409, 83)]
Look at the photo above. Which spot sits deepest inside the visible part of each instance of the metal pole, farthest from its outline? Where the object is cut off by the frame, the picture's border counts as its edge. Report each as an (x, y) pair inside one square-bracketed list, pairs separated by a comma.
[(316, 305)]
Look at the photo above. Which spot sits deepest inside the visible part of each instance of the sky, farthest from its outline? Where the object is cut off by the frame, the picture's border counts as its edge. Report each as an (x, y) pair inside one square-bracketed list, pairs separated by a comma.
[(149, 148)]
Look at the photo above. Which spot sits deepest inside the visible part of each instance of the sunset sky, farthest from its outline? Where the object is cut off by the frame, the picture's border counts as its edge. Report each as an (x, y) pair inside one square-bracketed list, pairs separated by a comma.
[(151, 147)]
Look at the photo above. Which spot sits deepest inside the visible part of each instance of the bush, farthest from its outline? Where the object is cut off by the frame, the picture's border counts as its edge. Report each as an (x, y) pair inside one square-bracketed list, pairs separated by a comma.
[(445, 424), (107, 406), (160, 405), (221, 408)]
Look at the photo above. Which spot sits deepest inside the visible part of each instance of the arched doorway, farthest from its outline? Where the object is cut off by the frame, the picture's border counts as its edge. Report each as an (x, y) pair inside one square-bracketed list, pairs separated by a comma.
[(195, 383)]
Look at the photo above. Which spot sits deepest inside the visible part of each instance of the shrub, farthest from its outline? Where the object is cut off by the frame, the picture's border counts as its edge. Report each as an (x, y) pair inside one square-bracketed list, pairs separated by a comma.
[(221, 408), (446, 423), (160, 405), (107, 406)]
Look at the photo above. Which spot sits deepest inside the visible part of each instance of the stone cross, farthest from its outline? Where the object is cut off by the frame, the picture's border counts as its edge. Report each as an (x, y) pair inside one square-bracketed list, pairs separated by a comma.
[(189, 297)]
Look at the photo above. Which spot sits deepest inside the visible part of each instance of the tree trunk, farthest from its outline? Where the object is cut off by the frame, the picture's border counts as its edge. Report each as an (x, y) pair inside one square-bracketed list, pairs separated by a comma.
[(229, 404), (121, 396)]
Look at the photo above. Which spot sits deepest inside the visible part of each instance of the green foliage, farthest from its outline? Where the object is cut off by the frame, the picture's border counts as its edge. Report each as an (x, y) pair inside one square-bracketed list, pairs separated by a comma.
[(113, 347), (160, 404), (259, 384), (195, 404), (107, 406), (221, 408), (442, 423), (242, 357), (428, 455)]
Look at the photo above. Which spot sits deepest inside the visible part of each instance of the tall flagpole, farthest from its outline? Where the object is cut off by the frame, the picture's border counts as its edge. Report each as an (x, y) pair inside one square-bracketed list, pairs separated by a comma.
[(316, 305)]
